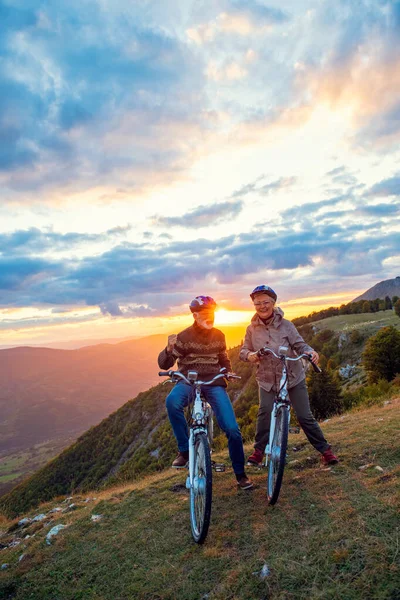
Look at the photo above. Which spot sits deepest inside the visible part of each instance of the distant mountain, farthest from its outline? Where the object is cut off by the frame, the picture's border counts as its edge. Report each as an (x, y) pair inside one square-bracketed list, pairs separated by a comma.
[(389, 287), (52, 394), (134, 439), (72, 344), (47, 394)]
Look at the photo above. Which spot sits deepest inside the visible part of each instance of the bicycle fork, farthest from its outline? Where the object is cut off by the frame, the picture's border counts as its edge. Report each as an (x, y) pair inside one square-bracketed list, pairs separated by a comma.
[(268, 449)]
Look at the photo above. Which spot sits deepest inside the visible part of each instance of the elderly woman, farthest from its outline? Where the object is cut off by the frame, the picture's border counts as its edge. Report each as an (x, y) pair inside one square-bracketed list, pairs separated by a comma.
[(269, 328)]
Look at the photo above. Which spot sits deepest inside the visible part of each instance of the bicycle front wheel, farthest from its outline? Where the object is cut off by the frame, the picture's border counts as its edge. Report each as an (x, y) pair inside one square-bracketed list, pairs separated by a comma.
[(278, 455), (201, 489)]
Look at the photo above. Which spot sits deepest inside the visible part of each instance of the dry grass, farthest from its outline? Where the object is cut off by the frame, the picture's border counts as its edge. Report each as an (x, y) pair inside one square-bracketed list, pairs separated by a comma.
[(333, 534)]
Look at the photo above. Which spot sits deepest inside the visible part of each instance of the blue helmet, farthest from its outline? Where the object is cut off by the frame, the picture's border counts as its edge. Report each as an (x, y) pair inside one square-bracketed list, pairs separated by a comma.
[(263, 289), (202, 303)]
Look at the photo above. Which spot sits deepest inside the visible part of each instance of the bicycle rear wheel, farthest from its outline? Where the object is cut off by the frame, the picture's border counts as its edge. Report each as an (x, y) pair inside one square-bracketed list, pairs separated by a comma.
[(201, 489), (277, 459)]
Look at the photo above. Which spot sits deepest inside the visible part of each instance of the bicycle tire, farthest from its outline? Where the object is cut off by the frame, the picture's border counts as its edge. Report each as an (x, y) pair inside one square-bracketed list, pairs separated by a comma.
[(277, 459), (201, 490)]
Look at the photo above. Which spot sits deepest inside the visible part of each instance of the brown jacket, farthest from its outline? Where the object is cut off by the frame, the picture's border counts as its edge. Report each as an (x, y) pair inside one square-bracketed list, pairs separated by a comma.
[(279, 332), (198, 349)]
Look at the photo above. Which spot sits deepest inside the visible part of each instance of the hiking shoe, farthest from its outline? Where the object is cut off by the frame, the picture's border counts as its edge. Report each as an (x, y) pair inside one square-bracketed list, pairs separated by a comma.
[(181, 460), (244, 483), (256, 458), (328, 458)]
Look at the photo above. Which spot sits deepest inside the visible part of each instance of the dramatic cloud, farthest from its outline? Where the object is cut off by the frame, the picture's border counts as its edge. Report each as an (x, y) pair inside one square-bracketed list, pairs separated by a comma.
[(133, 279), (90, 96)]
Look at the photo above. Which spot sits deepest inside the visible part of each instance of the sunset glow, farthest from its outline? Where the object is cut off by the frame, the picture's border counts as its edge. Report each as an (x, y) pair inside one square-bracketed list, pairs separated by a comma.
[(153, 155)]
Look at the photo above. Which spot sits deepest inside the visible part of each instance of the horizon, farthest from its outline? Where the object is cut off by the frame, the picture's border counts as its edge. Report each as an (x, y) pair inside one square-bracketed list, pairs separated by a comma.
[(225, 319), (153, 153)]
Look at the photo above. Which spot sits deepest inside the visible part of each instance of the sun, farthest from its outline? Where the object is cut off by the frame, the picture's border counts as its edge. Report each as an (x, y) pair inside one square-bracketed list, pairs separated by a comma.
[(232, 317)]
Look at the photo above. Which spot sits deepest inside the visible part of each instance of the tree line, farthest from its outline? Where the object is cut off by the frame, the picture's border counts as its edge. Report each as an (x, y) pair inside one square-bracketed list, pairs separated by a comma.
[(352, 308)]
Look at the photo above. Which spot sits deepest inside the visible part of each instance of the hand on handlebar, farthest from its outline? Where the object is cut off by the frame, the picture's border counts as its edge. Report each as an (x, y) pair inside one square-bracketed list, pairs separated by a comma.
[(232, 376), (253, 357), (314, 357)]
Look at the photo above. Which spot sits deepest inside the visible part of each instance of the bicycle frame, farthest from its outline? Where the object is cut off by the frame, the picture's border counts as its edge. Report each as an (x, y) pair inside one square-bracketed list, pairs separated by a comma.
[(275, 452), (281, 401), (199, 423)]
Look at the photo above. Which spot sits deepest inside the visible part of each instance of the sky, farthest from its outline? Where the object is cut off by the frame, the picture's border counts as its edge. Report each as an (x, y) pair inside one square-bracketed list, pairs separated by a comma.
[(153, 151)]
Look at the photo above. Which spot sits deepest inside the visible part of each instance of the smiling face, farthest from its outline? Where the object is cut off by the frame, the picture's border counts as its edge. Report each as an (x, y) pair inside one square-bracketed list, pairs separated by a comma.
[(264, 305), (205, 318)]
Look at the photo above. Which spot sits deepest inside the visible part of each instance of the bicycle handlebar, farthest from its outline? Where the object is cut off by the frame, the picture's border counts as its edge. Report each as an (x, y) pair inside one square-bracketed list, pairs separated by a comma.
[(264, 351), (178, 375)]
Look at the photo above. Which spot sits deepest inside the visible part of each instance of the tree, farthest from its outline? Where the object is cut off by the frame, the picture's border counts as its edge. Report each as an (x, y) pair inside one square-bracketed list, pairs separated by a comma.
[(381, 357), (324, 392), (388, 303), (366, 307), (397, 307)]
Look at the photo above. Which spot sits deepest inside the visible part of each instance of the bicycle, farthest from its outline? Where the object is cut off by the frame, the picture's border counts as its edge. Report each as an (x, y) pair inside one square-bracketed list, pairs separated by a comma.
[(275, 452), (199, 480)]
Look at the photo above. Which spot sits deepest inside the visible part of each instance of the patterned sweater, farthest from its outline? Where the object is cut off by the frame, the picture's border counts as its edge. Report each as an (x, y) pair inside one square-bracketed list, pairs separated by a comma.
[(198, 349)]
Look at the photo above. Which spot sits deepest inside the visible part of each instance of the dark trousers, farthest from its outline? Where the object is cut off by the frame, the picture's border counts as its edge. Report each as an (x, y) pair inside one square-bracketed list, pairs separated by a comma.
[(299, 398)]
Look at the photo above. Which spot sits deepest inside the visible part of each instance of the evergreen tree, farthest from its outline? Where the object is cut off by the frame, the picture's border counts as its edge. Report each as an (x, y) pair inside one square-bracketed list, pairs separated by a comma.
[(325, 395), (381, 357), (366, 307), (397, 307), (388, 303)]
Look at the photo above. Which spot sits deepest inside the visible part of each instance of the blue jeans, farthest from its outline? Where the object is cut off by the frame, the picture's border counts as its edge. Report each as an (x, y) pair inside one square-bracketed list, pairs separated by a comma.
[(217, 396)]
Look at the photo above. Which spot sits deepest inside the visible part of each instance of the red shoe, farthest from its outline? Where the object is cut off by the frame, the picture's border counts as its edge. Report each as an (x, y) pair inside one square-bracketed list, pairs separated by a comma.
[(328, 458), (256, 458)]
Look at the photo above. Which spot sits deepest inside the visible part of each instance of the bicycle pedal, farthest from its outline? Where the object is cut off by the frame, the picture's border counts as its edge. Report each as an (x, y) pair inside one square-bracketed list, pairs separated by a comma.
[(218, 467), (294, 429)]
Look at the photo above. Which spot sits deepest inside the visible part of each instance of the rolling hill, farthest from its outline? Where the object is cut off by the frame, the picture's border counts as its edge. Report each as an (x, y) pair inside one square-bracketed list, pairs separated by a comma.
[(137, 438), (48, 397), (46, 393)]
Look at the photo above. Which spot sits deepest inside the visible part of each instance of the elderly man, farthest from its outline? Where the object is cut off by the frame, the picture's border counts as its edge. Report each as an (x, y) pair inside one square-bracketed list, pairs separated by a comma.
[(202, 348)]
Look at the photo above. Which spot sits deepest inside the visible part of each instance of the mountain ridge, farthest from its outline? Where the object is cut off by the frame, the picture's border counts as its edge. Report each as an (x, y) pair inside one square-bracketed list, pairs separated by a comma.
[(387, 287)]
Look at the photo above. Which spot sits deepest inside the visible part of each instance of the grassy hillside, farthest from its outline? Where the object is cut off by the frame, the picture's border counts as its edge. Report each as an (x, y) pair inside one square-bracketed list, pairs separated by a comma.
[(367, 323), (333, 534)]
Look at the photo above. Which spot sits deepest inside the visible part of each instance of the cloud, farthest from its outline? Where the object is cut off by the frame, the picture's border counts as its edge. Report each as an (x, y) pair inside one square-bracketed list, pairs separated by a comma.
[(89, 97), (266, 189), (237, 17), (387, 187), (341, 237), (37, 241), (203, 216)]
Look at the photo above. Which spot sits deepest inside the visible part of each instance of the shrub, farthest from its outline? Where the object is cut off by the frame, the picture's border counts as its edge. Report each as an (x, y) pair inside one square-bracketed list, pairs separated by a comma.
[(366, 395), (381, 357), (355, 337)]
